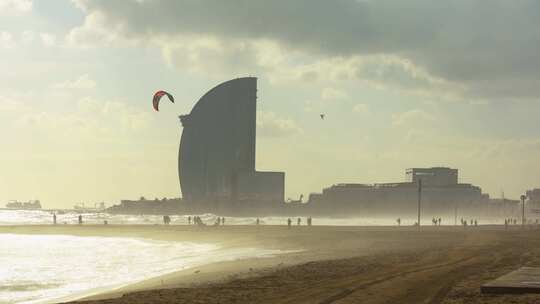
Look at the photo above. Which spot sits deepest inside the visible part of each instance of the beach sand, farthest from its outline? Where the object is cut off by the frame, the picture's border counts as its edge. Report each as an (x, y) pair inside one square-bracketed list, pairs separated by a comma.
[(330, 264)]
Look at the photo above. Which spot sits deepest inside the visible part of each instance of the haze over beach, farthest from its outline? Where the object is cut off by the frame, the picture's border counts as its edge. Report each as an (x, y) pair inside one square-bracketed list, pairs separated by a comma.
[(309, 151)]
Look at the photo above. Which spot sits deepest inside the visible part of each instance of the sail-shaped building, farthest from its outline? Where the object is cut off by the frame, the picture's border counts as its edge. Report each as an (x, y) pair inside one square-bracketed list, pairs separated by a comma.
[(217, 150)]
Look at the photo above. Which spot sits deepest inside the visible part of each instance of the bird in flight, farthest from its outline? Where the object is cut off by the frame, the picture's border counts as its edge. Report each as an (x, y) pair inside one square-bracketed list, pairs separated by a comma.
[(322, 116)]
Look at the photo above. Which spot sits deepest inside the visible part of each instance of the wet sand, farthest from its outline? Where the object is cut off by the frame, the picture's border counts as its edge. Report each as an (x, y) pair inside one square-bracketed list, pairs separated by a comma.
[(335, 264)]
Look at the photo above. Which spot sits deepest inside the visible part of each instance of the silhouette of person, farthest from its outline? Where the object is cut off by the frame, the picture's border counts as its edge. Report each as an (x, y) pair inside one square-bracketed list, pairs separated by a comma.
[(257, 221), (289, 221), (54, 218), (189, 220), (398, 221), (298, 221), (222, 220), (80, 219), (440, 221)]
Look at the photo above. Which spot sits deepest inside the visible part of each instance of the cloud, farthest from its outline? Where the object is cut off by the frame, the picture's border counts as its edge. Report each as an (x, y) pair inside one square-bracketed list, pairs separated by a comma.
[(91, 119), (28, 36), (270, 125), (15, 6), (361, 108), (82, 82), (415, 117), (463, 43), (6, 40), (332, 94), (48, 39)]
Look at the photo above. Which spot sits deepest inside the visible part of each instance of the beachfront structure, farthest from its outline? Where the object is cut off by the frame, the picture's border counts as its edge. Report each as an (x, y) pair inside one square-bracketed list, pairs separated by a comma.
[(441, 193), (436, 176), (216, 162)]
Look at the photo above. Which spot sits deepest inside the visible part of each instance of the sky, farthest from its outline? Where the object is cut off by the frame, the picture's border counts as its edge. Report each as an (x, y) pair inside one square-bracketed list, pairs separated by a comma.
[(403, 84)]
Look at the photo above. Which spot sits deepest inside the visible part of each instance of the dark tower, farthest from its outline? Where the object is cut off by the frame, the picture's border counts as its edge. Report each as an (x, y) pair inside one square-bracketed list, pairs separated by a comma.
[(218, 141)]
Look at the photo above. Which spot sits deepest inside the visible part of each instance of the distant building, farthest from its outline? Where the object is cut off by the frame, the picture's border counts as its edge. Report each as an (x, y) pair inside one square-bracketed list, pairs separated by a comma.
[(216, 162), (441, 192), (437, 176), (533, 200)]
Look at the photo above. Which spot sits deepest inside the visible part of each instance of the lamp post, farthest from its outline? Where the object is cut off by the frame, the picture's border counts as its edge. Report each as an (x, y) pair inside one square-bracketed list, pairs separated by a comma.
[(523, 197), (419, 200)]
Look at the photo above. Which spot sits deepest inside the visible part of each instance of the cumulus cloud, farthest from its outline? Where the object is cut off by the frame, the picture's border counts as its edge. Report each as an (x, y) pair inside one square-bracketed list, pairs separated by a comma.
[(92, 118), (332, 93), (361, 108), (412, 118), (48, 39), (463, 43), (271, 125), (82, 82), (28, 36), (6, 40), (15, 6)]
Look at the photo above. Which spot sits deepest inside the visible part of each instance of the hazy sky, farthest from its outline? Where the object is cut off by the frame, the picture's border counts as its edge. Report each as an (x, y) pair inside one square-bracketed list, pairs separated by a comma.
[(403, 84)]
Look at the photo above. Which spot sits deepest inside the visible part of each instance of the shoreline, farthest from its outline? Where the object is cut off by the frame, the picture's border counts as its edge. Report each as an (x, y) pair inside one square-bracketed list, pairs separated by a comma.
[(323, 247)]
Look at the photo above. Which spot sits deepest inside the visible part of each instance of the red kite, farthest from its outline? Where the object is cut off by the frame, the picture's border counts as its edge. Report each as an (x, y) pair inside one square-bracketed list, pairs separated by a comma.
[(157, 98)]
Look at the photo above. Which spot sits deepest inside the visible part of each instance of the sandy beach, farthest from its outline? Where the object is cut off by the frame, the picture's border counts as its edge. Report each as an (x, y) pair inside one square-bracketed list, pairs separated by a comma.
[(329, 264)]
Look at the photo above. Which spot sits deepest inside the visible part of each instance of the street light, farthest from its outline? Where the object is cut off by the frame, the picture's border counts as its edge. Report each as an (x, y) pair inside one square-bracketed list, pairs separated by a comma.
[(523, 197), (419, 199)]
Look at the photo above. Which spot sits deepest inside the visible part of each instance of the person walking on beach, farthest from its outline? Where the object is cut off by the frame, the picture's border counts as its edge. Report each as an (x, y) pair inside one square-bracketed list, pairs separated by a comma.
[(80, 219), (298, 221), (189, 220), (289, 221), (309, 221), (54, 218), (398, 221), (223, 221), (257, 221)]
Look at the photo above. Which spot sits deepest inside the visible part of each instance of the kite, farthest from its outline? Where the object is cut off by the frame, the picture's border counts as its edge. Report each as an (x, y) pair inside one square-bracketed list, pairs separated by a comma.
[(157, 98)]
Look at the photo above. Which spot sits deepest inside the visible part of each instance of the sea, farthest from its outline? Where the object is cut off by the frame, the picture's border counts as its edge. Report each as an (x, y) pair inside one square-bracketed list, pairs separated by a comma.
[(49, 268), (40, 217)]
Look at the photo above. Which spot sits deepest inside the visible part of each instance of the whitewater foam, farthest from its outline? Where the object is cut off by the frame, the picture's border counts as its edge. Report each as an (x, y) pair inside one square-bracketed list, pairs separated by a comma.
[(40, 217), (40, 268)]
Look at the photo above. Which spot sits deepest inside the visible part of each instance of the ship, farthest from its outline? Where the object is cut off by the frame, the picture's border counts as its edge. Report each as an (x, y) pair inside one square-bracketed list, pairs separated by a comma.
[(30, 205)]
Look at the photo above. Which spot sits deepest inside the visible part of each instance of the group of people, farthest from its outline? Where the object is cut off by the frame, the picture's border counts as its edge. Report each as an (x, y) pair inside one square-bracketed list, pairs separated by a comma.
[(436, 221), (199, 222), (510, 221), (299, 222), (513, 221), (464, 222), (79, 220)]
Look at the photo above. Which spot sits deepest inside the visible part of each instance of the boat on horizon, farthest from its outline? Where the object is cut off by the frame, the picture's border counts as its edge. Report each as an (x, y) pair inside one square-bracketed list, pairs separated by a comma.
[(30, 205)]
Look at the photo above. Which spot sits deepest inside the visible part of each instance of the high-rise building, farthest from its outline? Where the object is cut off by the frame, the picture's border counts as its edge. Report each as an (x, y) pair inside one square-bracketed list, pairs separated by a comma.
[(217, 148)]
